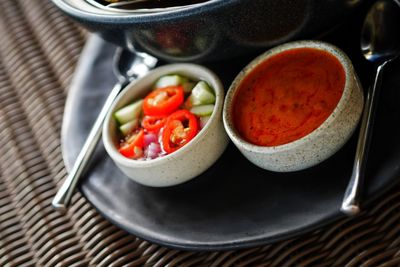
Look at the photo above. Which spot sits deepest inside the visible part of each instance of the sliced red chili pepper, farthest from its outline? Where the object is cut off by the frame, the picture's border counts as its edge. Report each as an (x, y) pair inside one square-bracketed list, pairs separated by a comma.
[(153, 123), (133, 146), (181, 127), (163, 101)]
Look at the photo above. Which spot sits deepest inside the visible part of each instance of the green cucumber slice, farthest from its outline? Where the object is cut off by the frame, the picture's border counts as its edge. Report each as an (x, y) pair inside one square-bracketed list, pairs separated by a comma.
[(128, 127), (170, 80), (203, 110), (202, 94), (129, 113)]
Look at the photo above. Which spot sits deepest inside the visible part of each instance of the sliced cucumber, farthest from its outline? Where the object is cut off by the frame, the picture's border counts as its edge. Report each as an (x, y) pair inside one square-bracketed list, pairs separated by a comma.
[(128, 127), (129, 113), (202, 94), (170, 80), (175, 79), (203, 121), (203, 110)]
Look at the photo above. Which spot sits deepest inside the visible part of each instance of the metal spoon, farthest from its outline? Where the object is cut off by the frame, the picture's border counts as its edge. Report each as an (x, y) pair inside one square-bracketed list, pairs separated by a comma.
[(380, 44), (128, 66)]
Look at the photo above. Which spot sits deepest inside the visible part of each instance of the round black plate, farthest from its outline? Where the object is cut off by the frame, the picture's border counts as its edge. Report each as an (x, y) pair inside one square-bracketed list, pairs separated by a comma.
[(234, 204)]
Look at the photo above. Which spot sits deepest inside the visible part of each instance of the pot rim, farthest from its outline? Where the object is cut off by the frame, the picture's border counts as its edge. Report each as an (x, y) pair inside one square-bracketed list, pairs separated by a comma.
[(84, 10)]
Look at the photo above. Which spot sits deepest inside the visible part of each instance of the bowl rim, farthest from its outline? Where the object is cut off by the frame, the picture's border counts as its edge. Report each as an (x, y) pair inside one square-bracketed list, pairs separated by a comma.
[(346, 95), (77, 9), (194, 71)]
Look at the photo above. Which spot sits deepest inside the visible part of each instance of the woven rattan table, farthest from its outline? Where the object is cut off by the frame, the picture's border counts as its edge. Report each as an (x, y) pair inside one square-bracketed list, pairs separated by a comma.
[(39, 49)]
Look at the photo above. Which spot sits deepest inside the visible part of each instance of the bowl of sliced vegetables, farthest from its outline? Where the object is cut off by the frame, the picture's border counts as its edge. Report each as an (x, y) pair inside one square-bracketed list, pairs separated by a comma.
[(166, 128)]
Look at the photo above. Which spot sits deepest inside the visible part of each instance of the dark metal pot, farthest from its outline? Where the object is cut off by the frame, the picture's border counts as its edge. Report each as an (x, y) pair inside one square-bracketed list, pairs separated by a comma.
[(214, 30)]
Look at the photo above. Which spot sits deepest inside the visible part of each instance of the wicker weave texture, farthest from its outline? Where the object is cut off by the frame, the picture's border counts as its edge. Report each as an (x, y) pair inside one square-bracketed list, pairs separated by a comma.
[(39, 48)]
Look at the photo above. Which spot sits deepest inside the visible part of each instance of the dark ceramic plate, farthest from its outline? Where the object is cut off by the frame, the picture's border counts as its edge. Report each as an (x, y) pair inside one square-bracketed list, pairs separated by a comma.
[(234, 204)]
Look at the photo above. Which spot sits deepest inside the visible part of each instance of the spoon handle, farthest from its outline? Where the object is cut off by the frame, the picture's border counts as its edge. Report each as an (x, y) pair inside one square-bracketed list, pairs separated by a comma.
[(351, 200), (64, 194)]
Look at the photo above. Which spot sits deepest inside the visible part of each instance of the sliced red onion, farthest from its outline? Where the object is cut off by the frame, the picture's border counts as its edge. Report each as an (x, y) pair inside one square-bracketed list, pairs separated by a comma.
[(150, 138), (153, 150)]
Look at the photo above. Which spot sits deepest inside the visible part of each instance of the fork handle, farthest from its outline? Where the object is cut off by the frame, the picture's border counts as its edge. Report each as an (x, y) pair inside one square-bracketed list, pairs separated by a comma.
[(63, 197)]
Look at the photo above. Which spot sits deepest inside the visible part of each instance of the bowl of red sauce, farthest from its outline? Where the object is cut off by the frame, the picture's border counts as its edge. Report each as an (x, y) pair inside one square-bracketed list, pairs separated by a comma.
[(166, 127), (293, 106)]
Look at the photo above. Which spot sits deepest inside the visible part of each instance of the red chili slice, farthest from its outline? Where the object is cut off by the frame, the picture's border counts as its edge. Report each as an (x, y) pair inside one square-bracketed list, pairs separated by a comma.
[(163, 101), (181, 127), (153, 123), (133, 146)]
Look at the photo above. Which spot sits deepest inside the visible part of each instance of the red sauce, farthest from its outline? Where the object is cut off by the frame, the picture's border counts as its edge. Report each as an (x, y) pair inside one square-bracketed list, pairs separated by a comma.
[(288, 96)]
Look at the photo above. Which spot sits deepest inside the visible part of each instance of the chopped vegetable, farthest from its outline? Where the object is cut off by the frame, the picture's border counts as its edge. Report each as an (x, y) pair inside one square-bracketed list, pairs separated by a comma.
[(202, 94), (163, 101), (129, 113), (153, 150), (128, 127), (203, 110), (133, 146), (170, 80), (150, 138), (181, 127), (153, 123)]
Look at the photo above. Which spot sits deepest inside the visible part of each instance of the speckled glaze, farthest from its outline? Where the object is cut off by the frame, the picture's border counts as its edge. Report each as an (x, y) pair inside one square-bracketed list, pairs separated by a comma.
[(321, 143), (213, 30), (187, 162)]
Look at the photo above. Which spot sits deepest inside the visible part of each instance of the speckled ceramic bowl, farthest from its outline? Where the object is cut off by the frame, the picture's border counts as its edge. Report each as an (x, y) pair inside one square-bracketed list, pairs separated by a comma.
[(187, 162), (318, 145)]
